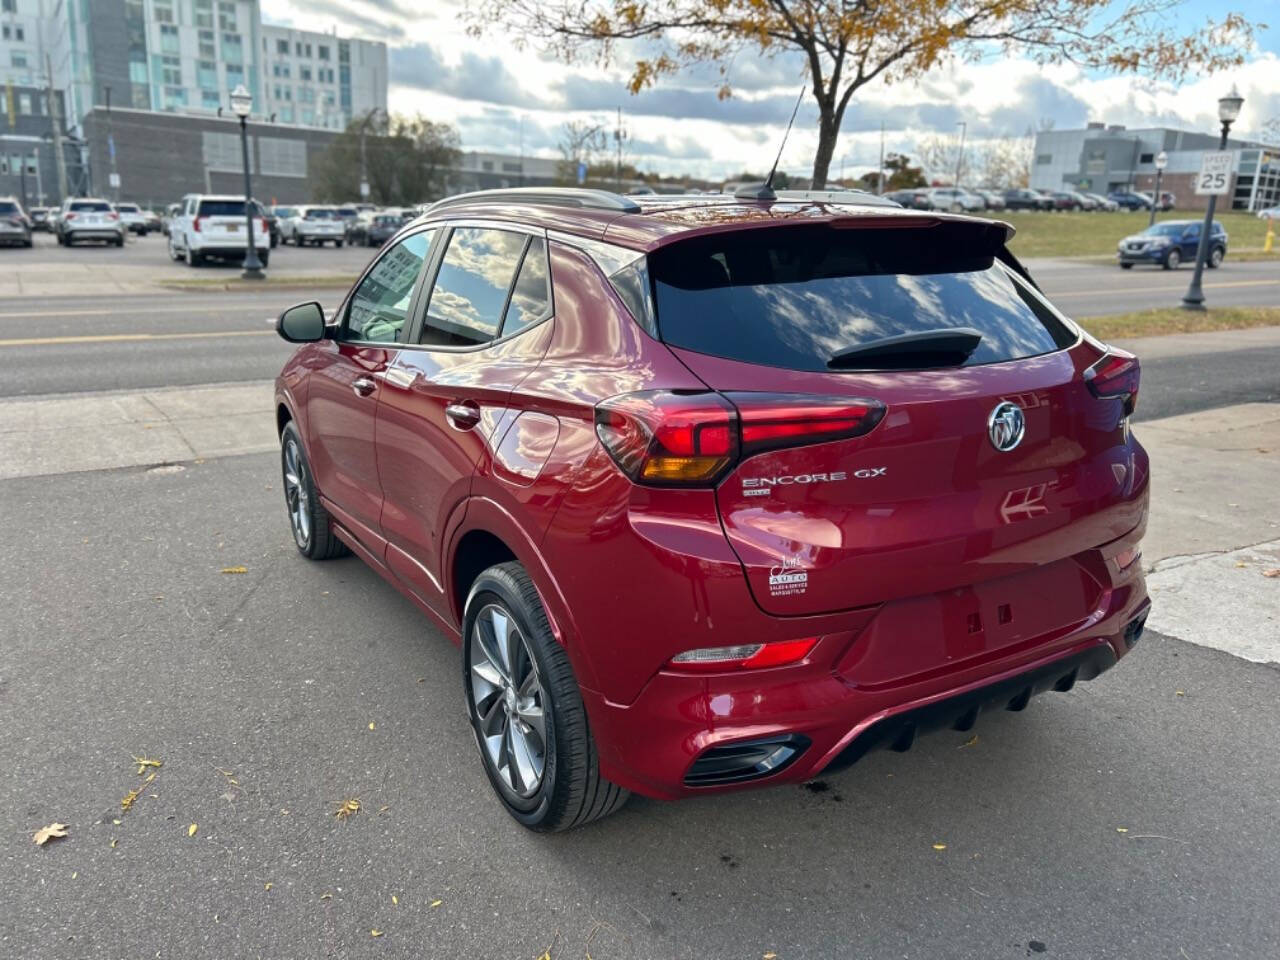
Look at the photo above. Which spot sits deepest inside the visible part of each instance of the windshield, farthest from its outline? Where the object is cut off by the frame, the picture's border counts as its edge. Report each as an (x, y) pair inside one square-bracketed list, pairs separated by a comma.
[(1165, 230), (795, 297)]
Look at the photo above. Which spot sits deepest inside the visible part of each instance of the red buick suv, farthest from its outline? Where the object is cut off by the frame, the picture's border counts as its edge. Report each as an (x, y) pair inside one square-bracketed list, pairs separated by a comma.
[(719, 492)]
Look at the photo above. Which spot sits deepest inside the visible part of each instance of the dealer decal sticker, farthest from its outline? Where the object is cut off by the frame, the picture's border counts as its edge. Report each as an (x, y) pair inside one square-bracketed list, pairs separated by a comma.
[(788, 578)]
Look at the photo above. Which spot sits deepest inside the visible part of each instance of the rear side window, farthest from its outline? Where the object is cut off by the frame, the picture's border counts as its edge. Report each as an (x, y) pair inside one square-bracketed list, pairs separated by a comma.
[(794, 297), (470, 293), (221, 208), (529, 298)]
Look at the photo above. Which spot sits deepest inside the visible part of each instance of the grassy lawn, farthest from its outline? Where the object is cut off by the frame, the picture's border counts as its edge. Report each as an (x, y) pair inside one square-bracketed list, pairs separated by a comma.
[(1151, 323), (1096, 234)]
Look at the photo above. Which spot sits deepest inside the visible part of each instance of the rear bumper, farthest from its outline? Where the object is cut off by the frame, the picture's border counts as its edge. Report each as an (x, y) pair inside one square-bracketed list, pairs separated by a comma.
[(664, 742)]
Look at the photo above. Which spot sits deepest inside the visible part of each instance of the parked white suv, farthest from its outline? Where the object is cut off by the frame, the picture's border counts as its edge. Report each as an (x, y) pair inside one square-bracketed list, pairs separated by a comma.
[(313, 224), (132, 217), (87, 218), (210, 226), (955, 199)]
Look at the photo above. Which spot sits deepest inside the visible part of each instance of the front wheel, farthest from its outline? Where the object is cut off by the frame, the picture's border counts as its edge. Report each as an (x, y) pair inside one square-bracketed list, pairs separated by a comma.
[(1215, 257), (526, 709), (312, 532), (1173, 259), (1126, 266), (337, 244)]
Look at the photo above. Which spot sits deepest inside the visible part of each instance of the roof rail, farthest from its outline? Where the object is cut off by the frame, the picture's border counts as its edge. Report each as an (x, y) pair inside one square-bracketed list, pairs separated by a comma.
[(552, 196)]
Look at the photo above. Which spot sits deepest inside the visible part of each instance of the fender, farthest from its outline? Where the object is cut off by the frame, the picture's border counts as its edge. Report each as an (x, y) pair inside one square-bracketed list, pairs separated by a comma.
[(484, 514)]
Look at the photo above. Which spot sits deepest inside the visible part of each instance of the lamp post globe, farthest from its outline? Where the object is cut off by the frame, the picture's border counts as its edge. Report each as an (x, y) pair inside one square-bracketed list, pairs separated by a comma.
[(1228, 112), (242, 106)]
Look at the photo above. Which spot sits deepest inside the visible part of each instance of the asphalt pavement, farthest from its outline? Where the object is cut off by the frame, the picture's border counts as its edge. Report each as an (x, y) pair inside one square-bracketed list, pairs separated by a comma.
[(1132, 817)]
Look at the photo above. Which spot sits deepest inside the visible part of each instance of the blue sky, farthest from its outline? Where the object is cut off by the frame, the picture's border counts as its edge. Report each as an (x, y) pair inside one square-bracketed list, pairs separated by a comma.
[(492, 91)]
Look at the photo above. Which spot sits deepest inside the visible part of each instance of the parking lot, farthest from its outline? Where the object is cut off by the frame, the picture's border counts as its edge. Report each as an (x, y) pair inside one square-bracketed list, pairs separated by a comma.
[(1132, 817)]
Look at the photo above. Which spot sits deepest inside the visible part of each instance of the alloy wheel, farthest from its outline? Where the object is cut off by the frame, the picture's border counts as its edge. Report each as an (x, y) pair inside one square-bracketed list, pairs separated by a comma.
[(295, 492), (507, 699)]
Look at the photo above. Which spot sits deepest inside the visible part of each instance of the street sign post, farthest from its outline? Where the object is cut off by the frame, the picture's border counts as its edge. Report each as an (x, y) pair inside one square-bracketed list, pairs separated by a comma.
[(113, 180), (364, 190), (1214, 178)]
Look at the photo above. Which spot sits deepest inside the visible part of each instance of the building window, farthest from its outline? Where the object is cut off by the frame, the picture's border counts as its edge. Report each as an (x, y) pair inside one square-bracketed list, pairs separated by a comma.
[(227, 16), (4, 32), (24, 103), (282, 47), (307, 48), (304, 73), (169, 38), (235, 75), (175, 97), (208, 50), (207, 75), (232, 52), (1147, 158), (171, 71), (163, 12), (210, 99), (297, 48), (323, 51), (1043, 159), (344, 52), (9, 6), (204, 14)]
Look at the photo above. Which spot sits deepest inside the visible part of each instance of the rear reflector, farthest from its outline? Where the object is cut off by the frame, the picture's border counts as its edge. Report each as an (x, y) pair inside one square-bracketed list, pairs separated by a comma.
[(1116, 376), (749, 656), (663, 438)]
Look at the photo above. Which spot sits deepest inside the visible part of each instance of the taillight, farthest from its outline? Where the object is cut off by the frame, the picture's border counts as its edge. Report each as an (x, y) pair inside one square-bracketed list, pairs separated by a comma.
[(69, 216), (195, 224), (1116, 376), (748, 656), (771, 421), (113, 216), (662, 438), (262, 226)]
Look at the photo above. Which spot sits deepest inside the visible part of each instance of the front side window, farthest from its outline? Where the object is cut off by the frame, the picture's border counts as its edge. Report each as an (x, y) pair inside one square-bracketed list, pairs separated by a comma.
[(379, 308), (470, 294)]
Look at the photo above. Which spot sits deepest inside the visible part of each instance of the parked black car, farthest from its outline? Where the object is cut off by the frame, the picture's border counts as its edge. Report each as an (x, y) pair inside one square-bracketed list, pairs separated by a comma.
[(912, 199), (1129, 201), (382, 228), (39, 218), (1026, 200)]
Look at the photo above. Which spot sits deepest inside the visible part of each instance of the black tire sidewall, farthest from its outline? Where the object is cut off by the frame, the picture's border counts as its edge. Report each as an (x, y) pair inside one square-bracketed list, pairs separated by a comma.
[(496, 586), (289, 433)]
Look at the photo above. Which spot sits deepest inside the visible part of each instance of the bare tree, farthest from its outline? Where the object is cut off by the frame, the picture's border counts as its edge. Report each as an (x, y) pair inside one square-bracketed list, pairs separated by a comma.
[(581, 142), (847, 44), (940, 156)]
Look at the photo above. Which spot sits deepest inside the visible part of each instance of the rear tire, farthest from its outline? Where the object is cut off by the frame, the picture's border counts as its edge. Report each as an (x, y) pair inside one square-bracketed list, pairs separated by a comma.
[(1126, 266), (1216, 256), (337, 244), (308, 519), (1172, 260), (193, 259), (513, 669)]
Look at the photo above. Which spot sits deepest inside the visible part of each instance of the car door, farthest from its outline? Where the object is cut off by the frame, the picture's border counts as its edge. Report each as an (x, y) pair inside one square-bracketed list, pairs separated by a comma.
[(344, 386), (1189, 242), (446, 398)]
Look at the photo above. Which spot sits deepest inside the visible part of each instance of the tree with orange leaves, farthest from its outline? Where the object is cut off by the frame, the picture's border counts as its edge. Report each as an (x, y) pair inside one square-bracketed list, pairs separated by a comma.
[(849, 43)]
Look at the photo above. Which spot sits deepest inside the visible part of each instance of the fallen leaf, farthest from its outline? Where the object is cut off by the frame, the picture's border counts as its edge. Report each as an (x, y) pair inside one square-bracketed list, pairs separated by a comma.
[(144, 762), (1122, 829), (266, 886), (422, 679), (235, 569), (371, 725), (326, 896), (1273, 574), (375, 933), (116, 822), (113, 843), (126, 802), (436, 903), (939, 846), (1179, 693), (395, 901), (348, 808), (191, 830), (971, 742), (770, 956), (51, 832), (150, 776), (1240, 563)]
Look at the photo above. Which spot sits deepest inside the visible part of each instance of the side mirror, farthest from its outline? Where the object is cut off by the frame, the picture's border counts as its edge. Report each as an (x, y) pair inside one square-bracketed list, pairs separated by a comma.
[(303, 323)]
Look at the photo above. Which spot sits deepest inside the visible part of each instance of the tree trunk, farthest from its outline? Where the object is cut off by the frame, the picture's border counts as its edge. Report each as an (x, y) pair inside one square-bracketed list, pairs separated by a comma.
[(828, 131)]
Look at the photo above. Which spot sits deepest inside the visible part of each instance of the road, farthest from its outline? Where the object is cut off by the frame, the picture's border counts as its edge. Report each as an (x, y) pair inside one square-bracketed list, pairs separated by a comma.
[(1131, 817)]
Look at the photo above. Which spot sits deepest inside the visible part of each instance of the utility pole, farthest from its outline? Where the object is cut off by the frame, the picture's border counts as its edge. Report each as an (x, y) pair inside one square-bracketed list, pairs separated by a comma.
[(618, 135), (880, 173), (56, 119), (364, 165), (114, 180), (964, 128)]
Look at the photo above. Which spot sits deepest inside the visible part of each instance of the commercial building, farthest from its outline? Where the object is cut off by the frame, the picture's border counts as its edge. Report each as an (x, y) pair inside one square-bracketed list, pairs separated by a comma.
[(1102, 158), (120, 68)]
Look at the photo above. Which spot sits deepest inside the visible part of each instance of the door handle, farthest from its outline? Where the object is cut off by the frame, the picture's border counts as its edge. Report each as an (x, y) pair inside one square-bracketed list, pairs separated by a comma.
[(462, 414), (363, 386)]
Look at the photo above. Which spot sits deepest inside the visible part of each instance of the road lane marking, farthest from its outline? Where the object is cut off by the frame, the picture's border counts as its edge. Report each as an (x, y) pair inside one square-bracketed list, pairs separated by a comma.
[(117, 337), (1125, 291)]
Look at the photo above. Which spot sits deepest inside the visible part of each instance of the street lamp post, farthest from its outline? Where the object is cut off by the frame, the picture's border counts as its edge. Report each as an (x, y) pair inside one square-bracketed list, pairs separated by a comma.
[(964, 128), (1162, 160), (241, 105), (1228, 111)]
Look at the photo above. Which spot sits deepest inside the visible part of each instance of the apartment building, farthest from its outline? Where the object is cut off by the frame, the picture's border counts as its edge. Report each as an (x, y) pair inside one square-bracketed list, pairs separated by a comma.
[(319, 79)]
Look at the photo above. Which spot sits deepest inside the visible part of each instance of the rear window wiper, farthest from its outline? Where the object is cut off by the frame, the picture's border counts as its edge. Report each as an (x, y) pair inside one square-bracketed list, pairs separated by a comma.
[(948, 347)]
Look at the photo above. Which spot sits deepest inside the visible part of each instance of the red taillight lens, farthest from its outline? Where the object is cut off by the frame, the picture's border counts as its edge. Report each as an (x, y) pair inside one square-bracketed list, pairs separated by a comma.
[(748, 656), (69, 216), (113, 216), (1116, 376), (682, 439), (668, 439), (262, 225), (771, 421), (195, 224)]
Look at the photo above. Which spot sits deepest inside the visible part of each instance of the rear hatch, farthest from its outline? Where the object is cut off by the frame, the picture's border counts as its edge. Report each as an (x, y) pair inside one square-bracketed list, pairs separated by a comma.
[(915, 499), (91, 213), (323, 223), (224, 219)]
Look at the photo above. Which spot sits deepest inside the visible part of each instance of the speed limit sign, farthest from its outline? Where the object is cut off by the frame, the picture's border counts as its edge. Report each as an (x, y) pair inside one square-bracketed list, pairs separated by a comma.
[(1214, 178)]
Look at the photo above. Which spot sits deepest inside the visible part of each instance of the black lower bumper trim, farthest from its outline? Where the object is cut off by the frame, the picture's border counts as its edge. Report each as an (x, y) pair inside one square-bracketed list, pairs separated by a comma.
[(960, 712)]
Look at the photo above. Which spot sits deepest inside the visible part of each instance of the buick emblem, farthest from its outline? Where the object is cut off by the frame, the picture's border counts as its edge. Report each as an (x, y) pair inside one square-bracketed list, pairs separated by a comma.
[(1005, 426)]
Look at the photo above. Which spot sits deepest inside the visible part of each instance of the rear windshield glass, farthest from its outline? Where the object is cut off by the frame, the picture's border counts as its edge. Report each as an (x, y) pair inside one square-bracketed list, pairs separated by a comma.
[(92, 206), (794, 297), (222, 208), (321, 215)]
